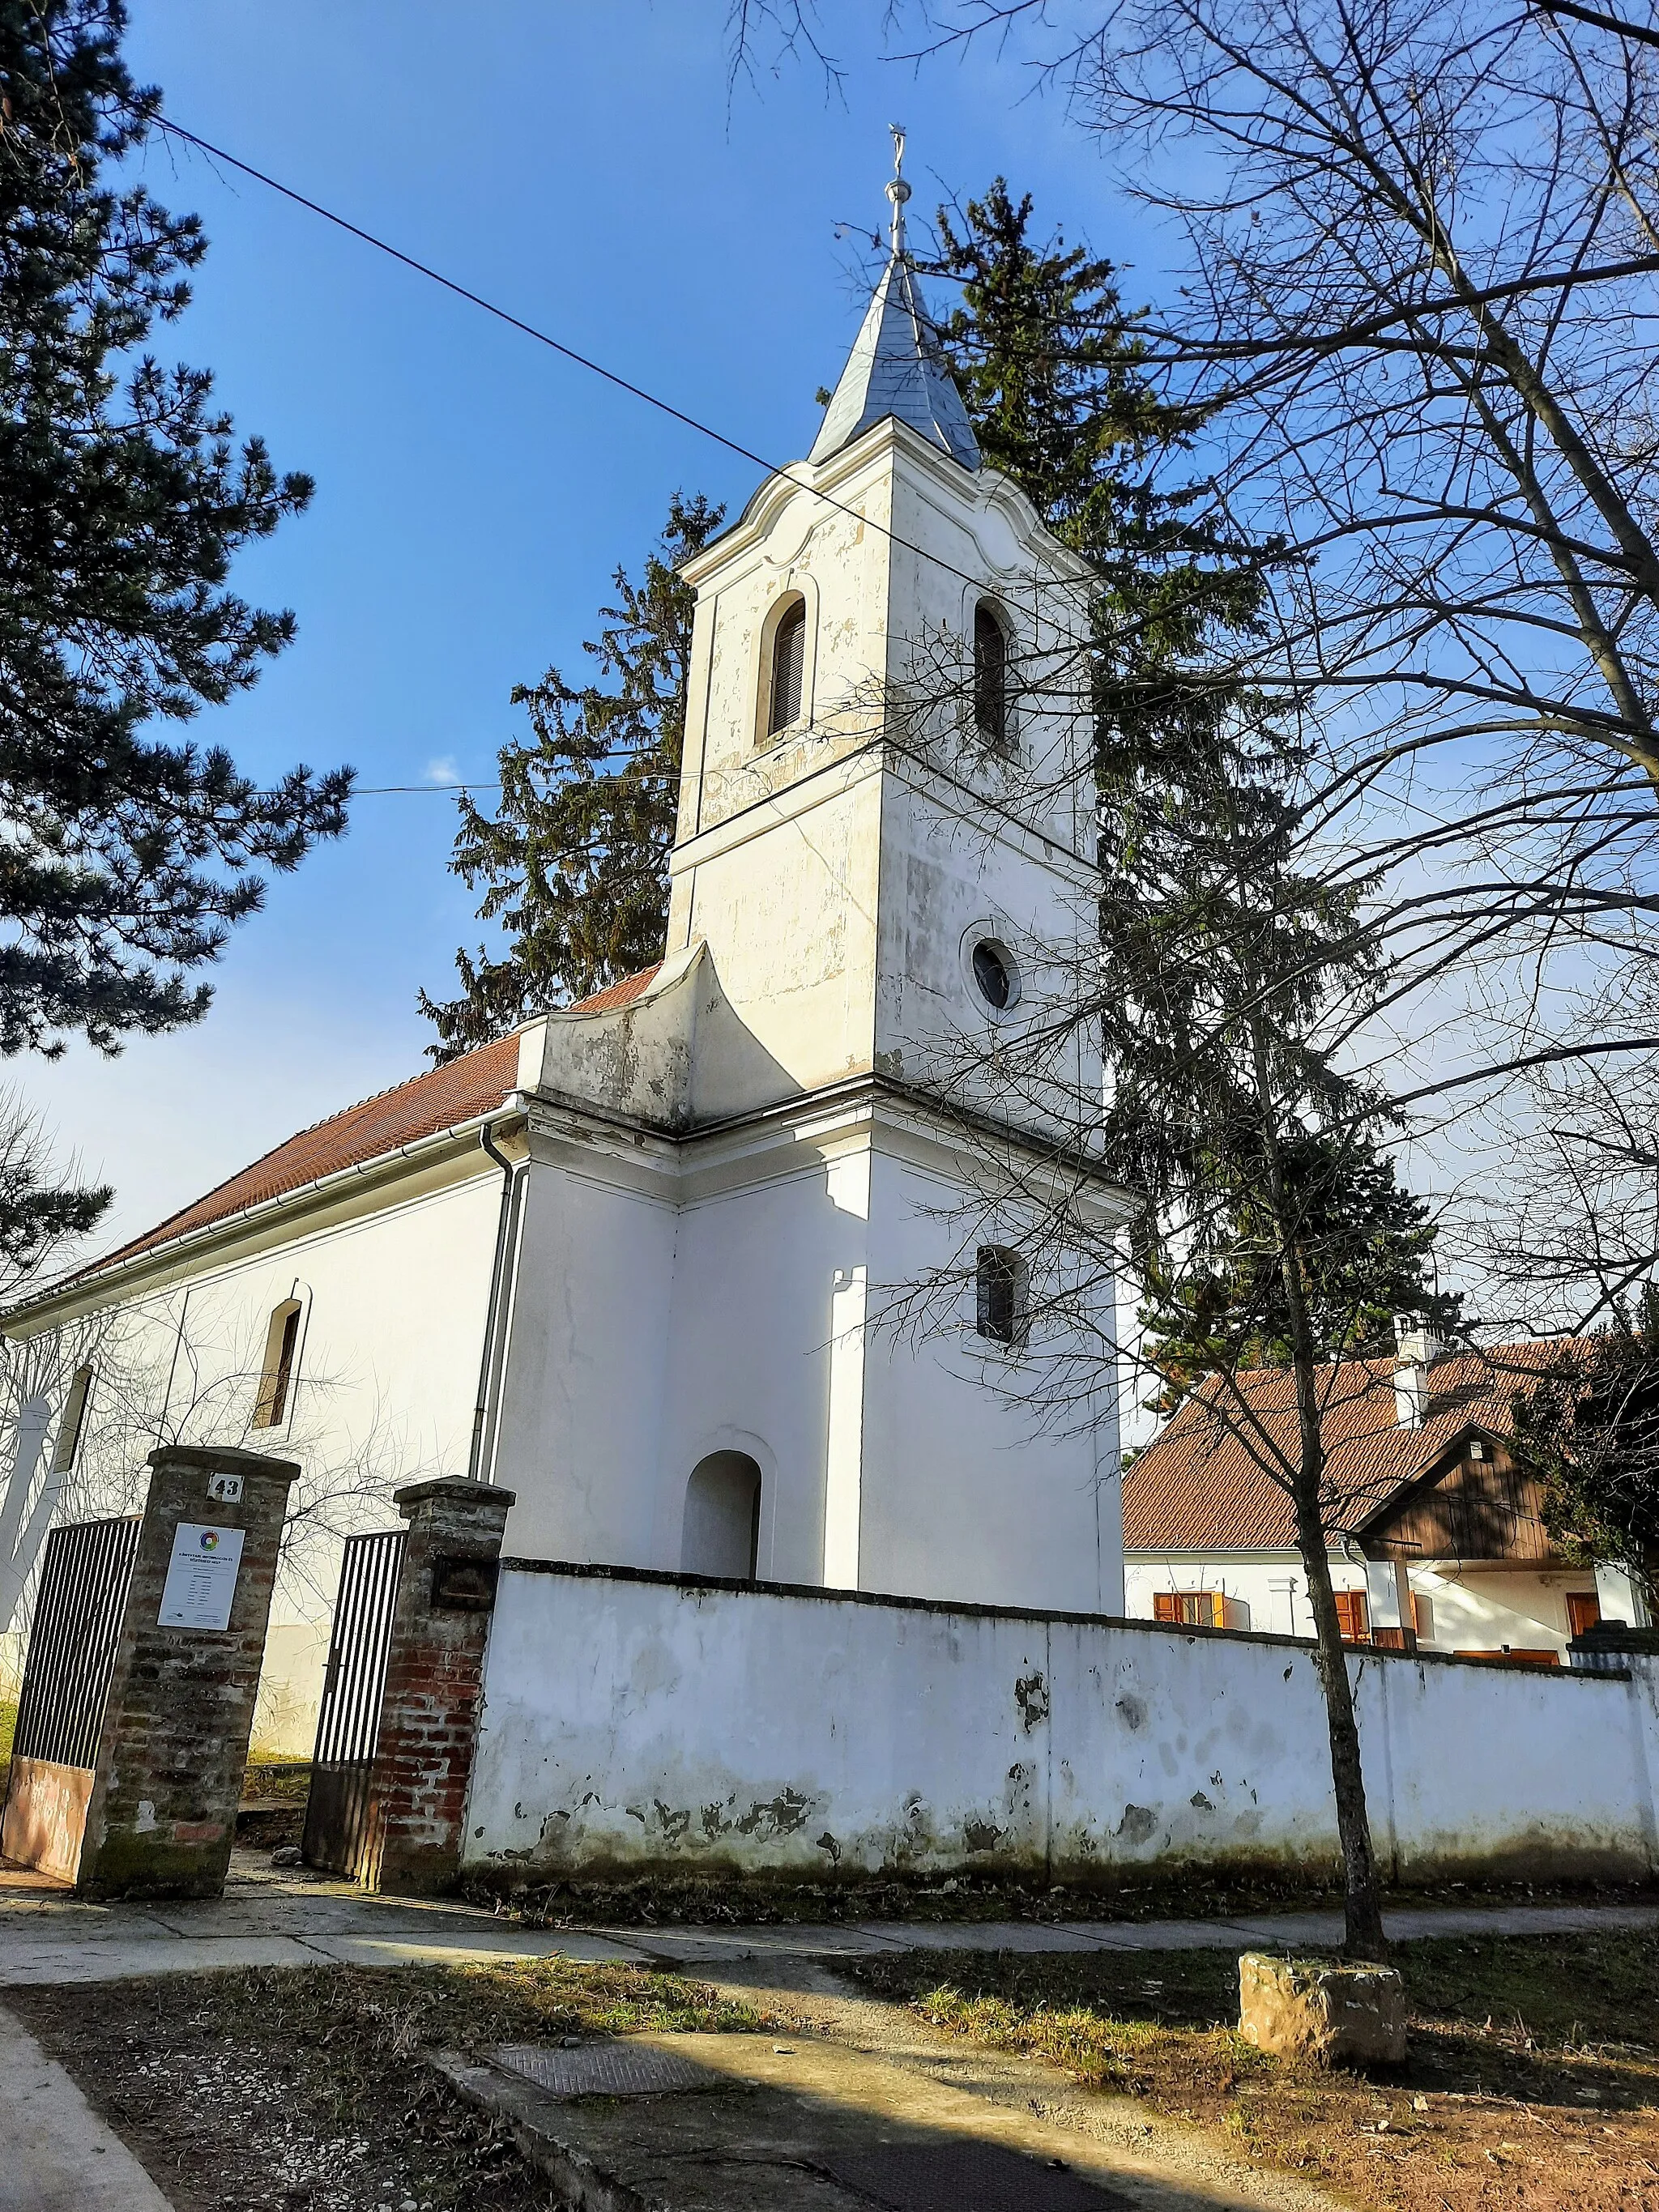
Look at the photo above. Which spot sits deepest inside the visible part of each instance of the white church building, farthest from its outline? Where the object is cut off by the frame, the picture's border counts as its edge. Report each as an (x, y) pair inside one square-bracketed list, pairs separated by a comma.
[(641, 1262)]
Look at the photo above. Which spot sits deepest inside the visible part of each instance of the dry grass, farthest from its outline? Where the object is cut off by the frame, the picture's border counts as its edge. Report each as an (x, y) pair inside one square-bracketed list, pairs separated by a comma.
[(1533, 2081)]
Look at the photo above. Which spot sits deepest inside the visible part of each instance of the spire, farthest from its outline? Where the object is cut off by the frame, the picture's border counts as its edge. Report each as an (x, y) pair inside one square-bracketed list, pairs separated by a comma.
[(895, 367)]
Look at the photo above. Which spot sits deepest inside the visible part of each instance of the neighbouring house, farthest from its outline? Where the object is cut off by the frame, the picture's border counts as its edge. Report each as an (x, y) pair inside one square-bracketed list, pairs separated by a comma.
[(630, 1262), (1436, 1539)]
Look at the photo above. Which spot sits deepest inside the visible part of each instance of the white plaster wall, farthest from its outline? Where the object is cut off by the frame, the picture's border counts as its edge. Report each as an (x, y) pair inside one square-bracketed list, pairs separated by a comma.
[(966, 1498), (833, 904), (635, 1722), (385, 1379), (581, 1432), (888, 1462), (748, 1353), (787, 902)]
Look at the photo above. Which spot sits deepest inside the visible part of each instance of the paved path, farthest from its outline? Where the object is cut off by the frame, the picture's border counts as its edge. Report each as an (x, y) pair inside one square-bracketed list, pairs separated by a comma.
[(268, 1919), (55, 2154)]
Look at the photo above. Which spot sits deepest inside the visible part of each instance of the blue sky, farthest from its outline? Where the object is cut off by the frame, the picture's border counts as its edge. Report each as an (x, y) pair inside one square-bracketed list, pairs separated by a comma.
[(584, 167)]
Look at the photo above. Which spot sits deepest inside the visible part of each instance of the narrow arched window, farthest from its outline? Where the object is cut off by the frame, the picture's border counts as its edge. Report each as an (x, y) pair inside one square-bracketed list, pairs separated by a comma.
[(277, 1377), (789, 668), (990, 677), (73, 1421), (1001, 1285)]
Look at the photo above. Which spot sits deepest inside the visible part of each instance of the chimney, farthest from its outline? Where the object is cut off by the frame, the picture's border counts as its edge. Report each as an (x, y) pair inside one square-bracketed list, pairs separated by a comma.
[(1415, 1347), (1411, 1395)]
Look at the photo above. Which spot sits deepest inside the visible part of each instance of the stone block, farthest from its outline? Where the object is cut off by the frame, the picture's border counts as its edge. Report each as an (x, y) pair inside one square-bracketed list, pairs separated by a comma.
[(1322, 2010)]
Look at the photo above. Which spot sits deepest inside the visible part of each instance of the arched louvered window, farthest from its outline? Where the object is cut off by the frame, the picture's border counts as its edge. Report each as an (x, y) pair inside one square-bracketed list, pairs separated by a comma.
[(990, 677), (72, 1422), (271, 1408), (788, 670)]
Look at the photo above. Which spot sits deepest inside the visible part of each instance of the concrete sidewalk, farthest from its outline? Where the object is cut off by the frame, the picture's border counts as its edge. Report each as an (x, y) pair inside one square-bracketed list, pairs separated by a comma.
[(55, 2154), (272, 1919)]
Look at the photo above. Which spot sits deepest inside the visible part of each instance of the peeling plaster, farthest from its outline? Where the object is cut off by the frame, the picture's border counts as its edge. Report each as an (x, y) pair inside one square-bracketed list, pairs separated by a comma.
[(830, 1734)]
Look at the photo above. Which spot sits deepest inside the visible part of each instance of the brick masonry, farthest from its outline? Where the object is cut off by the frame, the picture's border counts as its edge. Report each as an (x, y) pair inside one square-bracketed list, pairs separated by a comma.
[(434, 1685), (162, 1814)]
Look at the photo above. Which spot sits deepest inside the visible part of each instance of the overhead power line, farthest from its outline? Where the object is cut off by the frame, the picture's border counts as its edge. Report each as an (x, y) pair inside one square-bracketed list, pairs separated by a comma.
[(543, 337)]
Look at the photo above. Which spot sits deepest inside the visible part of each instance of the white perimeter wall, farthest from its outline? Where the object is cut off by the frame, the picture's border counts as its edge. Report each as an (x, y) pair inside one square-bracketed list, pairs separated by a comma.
[(632, 1722)]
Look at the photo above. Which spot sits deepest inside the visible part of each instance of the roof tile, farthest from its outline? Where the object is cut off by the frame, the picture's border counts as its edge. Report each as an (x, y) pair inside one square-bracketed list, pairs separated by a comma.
[(476, 1083), (1198, 1487)]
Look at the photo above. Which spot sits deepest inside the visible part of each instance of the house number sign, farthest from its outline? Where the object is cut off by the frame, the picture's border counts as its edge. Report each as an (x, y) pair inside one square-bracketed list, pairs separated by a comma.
[(201, 1577)]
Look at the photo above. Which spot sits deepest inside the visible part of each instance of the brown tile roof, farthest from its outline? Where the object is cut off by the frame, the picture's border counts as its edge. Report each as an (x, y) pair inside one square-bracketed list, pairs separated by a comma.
[(467, 1087), (618, 994), (476, 1083), (1197, 1487)]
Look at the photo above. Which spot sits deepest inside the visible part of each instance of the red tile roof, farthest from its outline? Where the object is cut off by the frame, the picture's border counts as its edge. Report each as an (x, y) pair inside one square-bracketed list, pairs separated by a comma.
[(618, 994), (1197, 1487), (477, 1083)]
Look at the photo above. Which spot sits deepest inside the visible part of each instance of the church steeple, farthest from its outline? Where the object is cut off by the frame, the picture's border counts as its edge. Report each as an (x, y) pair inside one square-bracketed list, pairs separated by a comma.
[(895, 367)]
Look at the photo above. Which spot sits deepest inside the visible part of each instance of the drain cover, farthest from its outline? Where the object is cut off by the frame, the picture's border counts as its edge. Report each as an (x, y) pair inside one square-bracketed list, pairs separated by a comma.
[(606, 2070), (967, 2177)]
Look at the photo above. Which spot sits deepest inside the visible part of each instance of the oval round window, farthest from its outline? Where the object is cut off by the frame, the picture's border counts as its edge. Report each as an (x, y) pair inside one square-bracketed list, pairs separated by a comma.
[(995, 973)]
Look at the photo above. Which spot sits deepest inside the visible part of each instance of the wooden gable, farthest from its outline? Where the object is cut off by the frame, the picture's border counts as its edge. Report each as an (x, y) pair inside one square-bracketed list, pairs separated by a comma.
[(1483, 1509)]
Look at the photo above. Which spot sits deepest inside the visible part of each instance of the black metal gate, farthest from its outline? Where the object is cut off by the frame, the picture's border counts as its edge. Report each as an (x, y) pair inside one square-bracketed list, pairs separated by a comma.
[(350, 1721), (82, 1601)]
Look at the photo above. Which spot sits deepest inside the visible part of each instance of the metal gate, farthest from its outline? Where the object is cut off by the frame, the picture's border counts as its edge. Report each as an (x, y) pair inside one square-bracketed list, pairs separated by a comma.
[(84, 1580), (85, 1577), (349, 1722)]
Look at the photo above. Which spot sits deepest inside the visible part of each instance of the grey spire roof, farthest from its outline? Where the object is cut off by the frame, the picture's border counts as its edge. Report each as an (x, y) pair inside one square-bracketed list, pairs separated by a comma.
[(896, 368)]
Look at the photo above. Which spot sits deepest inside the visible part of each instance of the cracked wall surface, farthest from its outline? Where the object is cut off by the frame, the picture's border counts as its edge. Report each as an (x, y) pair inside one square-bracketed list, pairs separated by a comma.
[(638, 1724)]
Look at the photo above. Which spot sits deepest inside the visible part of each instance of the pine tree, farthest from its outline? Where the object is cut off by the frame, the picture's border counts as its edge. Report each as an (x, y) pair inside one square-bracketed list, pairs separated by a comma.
[(122, 498), (575, 856), (1055, 380)]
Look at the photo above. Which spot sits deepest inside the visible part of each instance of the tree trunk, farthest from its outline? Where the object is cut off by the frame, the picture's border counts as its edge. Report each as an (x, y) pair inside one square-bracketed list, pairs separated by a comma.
[(1361, 1892), (1362, 1896)]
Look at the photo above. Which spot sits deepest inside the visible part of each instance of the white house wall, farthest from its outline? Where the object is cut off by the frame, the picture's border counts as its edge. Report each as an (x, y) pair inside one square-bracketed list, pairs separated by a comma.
[(633, 1723), (1467, 1610), (965, 1496), (647, 1335), (582, 1397)]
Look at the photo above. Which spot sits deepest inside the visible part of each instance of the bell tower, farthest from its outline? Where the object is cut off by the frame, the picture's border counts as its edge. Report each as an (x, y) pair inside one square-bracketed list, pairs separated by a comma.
[(885, 821)]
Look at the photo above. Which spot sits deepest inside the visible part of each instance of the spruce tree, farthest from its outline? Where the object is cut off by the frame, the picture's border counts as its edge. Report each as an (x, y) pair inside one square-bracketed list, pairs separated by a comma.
[(575, 857), (123, 498)]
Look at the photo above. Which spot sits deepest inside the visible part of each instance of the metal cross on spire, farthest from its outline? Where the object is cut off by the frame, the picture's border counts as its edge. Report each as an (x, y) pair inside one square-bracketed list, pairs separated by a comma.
[(898, 191), (896, 368)]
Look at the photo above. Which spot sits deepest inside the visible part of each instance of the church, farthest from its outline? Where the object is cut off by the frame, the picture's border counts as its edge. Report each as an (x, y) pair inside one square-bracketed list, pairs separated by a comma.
[(707, 1269)]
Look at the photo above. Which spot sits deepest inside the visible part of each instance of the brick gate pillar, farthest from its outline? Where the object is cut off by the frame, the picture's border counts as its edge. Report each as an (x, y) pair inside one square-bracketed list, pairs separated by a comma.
[(162, 1812), (434, 1684)]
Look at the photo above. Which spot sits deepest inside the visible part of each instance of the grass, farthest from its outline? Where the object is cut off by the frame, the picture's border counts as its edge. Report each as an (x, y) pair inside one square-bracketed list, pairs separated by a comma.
[(287, 1779), (311, 2087), (1533, 2073)]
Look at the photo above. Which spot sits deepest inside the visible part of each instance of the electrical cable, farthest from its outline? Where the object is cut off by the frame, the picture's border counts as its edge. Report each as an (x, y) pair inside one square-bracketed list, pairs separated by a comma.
[(543, 337)]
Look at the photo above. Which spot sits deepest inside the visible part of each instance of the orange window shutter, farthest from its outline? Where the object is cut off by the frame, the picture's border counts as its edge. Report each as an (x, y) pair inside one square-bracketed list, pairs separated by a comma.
[(1166, 1605), (1353, 1615)]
